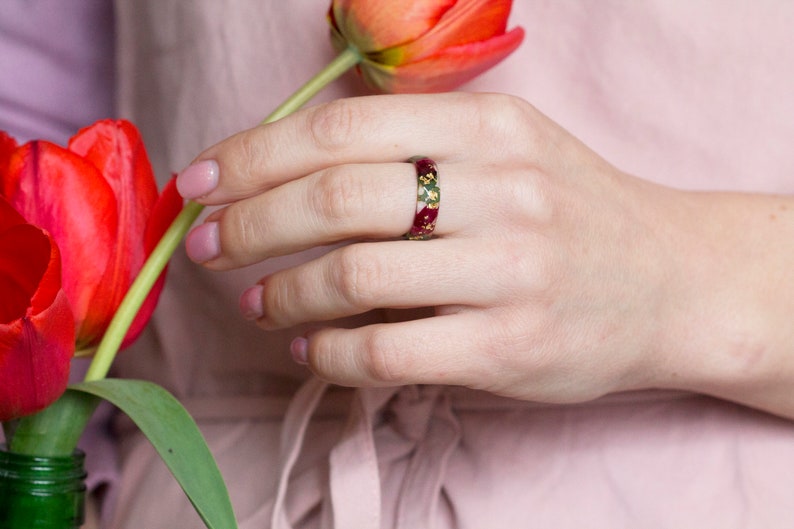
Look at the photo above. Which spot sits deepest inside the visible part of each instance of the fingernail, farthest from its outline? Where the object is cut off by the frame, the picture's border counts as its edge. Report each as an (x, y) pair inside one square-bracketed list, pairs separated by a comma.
[(198, 179), (203, 243), (299, 348), (251, 303)]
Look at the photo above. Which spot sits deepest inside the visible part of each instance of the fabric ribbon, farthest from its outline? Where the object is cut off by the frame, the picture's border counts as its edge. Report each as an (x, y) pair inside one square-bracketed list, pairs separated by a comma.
[(421, 415)]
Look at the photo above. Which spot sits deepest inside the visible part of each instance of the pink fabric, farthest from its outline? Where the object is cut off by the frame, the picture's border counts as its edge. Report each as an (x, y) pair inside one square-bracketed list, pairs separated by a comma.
[(694, 95), (690, 94), (452, 458)]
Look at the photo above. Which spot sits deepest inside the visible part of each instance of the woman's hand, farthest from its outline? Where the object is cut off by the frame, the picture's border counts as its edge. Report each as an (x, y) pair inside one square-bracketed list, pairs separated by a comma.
[(552, 276)]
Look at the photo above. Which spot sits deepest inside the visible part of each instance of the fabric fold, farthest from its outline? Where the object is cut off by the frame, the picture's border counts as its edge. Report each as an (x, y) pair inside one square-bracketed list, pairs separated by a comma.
[(296, 421), (422, 416)]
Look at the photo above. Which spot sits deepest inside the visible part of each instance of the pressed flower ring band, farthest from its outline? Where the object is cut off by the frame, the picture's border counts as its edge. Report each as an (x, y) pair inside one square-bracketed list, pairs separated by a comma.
[(428, 195)]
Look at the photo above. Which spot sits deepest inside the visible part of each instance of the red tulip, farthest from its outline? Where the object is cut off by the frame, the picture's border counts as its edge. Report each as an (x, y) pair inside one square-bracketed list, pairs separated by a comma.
[(426, 45), (36, 322), (99, 200)]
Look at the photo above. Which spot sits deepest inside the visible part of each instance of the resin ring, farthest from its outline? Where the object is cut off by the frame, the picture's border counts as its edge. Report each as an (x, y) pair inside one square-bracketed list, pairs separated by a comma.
[(427, 198)]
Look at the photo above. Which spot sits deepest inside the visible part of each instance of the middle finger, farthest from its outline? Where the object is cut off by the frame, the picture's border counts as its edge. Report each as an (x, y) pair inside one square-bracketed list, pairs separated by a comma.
[(348, 202)]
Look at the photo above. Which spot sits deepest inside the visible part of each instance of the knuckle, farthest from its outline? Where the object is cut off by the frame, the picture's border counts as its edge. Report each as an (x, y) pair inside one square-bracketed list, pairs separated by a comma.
[(336, 198), (530, 195), (497, 343), (333, 126), (242, 231), (495, 113), (359, 276), (538, 272), (252, 148), (515, 340), (382, 359), (508, 120)]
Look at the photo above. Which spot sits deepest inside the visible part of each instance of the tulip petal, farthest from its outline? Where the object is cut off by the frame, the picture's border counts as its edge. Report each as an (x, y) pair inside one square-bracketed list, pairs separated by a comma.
[(374, 25), (469, 21), (18, 277), (24, 256), (7, 147), (9, 216), (117, 151), (446, 70), (36, 322), (116, 148), (35, 355), (64, 194)]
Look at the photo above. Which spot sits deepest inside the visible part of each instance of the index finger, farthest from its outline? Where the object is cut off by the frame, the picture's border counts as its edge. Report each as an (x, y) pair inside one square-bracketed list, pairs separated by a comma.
[(386, 128)]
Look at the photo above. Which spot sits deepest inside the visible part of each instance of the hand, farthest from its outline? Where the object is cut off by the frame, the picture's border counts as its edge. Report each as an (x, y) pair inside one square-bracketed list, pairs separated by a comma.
[(552, 275)]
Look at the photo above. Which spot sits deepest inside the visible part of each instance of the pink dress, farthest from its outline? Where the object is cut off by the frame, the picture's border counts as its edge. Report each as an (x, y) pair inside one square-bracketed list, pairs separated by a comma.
[(690, 94)]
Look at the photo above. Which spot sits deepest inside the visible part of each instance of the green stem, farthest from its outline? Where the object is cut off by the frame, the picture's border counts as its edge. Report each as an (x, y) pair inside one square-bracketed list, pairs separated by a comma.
[(348, 58), (139, 291), (57, 429)]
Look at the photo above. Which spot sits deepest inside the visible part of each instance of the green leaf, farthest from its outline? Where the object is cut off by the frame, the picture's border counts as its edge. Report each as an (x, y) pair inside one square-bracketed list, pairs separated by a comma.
[(177, 439)]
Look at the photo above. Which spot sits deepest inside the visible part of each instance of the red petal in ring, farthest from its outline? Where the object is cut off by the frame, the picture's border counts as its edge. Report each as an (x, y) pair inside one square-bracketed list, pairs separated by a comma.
[(428, 195)]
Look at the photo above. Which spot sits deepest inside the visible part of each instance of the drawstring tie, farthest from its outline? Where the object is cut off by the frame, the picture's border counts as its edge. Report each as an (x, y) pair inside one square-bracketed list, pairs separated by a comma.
[(420, 414)]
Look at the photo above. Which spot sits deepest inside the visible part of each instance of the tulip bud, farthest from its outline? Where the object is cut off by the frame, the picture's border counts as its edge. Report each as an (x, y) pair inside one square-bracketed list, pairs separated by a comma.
[(423, 46)]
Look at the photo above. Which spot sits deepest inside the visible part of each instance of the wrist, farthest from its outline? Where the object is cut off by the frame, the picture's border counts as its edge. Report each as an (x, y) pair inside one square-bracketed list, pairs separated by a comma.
[(732, 302)]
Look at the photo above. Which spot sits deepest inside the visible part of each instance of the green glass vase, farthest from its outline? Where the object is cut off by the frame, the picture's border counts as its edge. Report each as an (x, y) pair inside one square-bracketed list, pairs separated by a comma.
[(41, 492)]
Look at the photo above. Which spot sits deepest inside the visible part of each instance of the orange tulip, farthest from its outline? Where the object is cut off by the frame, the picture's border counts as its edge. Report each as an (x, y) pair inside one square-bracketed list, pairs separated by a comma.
[(99, 200), (36, 322), (425, 45)]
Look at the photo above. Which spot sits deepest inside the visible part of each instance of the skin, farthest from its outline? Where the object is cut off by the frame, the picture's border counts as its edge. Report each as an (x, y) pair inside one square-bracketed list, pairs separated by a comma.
[(553, 275)]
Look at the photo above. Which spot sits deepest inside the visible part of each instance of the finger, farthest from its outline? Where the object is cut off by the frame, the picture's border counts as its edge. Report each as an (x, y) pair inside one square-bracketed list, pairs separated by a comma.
[(357, 130), (436, 350), (358, 278), (336, 204), (360, 201)]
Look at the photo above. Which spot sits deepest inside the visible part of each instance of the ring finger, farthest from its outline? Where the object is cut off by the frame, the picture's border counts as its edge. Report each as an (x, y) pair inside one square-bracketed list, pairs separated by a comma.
[(356, 201)]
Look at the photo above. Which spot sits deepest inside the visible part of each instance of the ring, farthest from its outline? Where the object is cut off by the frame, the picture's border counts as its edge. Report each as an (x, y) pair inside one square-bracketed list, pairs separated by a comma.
[(427, 199)]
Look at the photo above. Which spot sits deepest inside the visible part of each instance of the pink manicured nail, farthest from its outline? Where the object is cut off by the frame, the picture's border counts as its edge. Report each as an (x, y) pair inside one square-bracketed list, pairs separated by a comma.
[(251, 303), (203, 243), (299, 348), (198, 179)]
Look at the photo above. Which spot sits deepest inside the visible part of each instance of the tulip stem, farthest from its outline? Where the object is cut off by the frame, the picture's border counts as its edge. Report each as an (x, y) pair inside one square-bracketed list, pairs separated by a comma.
[(348, 58), (139, 291), (55, 430)]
